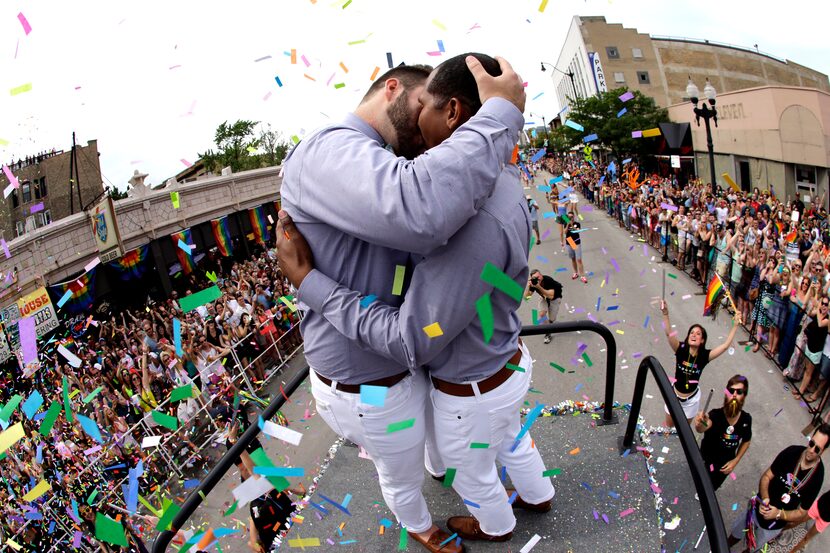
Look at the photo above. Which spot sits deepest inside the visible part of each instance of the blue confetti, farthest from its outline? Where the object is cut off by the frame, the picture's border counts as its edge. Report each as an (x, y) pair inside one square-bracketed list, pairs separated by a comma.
[(471, 504)]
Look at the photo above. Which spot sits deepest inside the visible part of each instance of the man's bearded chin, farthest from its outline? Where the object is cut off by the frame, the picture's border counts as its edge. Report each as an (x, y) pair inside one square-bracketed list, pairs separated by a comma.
[(732, 407)]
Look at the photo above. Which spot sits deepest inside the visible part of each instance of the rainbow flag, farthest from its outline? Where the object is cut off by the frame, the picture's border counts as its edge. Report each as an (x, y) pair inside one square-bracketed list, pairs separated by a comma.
[(82, 293), (185, 260), (260, 224), (792, 236), (131, 264), (780, 228), (712, 293), (222, 235)]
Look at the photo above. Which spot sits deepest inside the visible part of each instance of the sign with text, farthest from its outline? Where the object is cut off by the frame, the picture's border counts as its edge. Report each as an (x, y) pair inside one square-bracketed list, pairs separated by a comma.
[(37, 305), (105, 230)]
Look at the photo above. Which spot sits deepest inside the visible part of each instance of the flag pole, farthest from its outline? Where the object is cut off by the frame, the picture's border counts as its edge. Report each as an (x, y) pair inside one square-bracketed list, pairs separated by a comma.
[(726, 291)]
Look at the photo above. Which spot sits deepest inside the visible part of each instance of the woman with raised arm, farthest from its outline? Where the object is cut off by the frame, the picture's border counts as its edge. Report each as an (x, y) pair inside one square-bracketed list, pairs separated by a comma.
[(691, 357)]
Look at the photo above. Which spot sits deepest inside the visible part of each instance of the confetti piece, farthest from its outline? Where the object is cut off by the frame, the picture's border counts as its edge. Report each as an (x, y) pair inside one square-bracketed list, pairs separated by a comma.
[(26, 27), (35, 208), (575, 126), (636, 134), (42, 487), (513, 367), (340, 85), (671, 275), (21, 89), (373, 395), (449, 476), (110, 531), (279, 82), (778, 412), (13, 182), (479, 445), (433, 330), (612, 307), (165, 420), (439, 24), (472, 504), (551, 472), (587, 360), (401, 425), (558, 368), (649, 133), (531, 543), (32, 404), (574, 451), (484, 308), (92, 395), (590, 138), (282, 433), (191, 302), (280, 471), (627, 96), (186, 163), (397, 285), (626, 512), (622, 112)]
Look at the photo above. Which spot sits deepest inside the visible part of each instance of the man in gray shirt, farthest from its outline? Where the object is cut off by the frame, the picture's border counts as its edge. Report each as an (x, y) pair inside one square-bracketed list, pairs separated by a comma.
[(362, 209), (479, 369)]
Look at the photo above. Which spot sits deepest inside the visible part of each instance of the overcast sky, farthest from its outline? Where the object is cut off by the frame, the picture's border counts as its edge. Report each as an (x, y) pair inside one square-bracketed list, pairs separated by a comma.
[(152, 80)]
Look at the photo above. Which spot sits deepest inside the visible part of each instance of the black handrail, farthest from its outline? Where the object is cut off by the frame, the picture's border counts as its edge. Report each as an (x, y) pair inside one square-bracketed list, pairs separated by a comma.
[(608, 416), (706, 492), (194, 500)]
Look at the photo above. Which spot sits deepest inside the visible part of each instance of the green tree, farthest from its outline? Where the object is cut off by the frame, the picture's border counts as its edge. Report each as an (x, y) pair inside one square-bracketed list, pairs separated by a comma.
[(274, 147), (598, 115), (117, 194), (235, 144)]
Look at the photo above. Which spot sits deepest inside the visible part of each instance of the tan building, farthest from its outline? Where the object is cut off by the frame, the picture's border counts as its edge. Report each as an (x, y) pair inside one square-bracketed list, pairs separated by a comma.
[(604, 56), (44, 179), (771, 137)]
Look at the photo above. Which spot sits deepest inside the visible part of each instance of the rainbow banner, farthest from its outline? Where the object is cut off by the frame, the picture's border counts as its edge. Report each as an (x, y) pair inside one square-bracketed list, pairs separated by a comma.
[(714, 290), (185, 259), (222, 234), (260, 224), (82, 289), (131, 264)]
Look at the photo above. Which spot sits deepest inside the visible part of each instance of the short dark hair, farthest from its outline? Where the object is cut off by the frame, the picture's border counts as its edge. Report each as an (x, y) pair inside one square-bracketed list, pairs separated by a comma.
[(452, 79), (408, 75), (823, 428), (739, 379)]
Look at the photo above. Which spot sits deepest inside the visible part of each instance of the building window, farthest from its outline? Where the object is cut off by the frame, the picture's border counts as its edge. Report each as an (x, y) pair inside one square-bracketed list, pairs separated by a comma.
[(642, 77), (40, 188), (27, 192), (15, 198), (619, 77), (47, 217), (612, 52), (31, 223), (21, 228), (637, 53)]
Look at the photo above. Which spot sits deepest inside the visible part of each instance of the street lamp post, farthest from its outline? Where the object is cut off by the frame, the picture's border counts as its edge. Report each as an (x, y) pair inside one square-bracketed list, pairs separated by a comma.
[(547, 136), (706, 113), (569, 73)]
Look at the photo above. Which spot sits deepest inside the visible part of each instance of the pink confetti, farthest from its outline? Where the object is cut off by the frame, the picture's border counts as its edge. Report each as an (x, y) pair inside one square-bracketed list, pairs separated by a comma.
[(626, 512), (674, 502), (732, 476), (13, 182), (5, 249), (439, 53), (656, 489), (305, 60), (328, 82), (186, 163), (173, 67), (26, 27), (266, 96)]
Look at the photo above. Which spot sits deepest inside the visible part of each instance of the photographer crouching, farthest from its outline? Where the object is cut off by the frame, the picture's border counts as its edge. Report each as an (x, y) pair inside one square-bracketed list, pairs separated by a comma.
[(550, 296)]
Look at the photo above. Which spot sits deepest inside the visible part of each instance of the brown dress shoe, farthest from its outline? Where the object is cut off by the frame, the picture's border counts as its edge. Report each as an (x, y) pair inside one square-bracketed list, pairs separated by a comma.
[(467, 527), (520, 503), (434, 542)]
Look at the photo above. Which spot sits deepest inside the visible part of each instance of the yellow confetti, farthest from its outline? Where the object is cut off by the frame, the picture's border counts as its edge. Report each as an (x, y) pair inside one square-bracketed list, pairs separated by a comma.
[(42, 487), (433, 330), (304, 542), (13, 544), (620, 332), (543, 6), (21, 89), (439, 24), (13, 435), (4, 142), (651, 132)]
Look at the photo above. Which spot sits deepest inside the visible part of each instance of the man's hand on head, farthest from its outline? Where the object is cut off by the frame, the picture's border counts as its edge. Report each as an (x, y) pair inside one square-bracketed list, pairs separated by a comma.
[(293, 252), (508, 85)]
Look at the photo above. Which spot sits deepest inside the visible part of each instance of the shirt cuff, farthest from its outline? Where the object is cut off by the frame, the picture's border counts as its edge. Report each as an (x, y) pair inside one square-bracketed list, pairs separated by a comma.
[(505, 112), (315, 289)]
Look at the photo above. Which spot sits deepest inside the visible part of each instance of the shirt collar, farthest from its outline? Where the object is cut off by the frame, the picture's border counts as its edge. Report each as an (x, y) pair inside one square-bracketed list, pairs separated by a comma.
[(359, 124)]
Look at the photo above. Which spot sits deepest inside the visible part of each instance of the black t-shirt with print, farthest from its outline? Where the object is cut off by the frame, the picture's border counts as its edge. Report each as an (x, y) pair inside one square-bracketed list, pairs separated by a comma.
[(688, 368), (721, 440), (572, 232), (549, 283), (270, 512), (780, 484)]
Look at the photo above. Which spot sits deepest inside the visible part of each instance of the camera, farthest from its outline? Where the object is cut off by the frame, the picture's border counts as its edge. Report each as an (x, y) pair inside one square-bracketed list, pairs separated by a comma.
[(534, 281)]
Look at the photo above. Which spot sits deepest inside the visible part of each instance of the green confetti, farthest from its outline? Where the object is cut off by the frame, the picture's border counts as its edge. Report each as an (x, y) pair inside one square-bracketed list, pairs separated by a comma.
[(397, 284), (232, 509), (587, 360), (494, 276), (165, 420), (191, 302), (91, 499), (352, 43), (50, 418), (401, 425), (92, 395), (339, 85), (551, 472), (513, 367), (149, 506), (6, 412), (403, 539), (182, 392), (535, 315), (66, 404), (166, 519), (484, 308), (479, 445), (558, 368), (110, 531), (261, 459), (449, 477), (670, 275)]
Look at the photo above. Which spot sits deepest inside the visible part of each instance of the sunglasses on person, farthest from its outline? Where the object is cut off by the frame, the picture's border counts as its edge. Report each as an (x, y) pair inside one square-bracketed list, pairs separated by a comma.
[(815, 447), (738, 391)]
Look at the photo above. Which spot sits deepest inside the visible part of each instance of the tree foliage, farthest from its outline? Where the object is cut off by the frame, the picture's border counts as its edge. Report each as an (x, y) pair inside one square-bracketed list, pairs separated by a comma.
[(598, 115), (241, 146)]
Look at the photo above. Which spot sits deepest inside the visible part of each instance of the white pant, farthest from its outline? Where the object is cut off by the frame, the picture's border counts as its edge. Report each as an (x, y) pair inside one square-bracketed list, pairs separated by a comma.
[(398, 456), (492, 418)]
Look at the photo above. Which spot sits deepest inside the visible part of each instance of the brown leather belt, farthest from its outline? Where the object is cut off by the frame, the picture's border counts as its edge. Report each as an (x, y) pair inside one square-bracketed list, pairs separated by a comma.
[(488, 384), (387, 382)]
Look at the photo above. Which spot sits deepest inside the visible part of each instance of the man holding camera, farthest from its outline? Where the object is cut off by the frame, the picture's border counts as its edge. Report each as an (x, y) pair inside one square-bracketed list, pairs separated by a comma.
[(550, 296)]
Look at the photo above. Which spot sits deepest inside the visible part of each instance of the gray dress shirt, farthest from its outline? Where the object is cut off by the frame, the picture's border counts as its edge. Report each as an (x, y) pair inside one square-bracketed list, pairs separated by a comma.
[(444, 289), (362, 209)]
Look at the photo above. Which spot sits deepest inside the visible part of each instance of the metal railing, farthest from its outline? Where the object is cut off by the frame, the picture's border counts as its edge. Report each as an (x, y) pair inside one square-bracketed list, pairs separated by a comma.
[(708, 501)]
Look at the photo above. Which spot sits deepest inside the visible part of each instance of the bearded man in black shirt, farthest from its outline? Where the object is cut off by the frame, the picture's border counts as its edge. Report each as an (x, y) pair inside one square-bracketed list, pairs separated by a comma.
[(726, 430), (786, 491)]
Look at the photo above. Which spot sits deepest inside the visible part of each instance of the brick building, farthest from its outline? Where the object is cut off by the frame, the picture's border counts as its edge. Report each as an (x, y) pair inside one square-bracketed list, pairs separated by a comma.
[(604, 56), (44, 179)]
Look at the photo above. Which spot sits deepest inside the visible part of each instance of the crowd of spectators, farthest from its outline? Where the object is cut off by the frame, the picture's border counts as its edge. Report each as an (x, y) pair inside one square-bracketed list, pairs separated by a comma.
[(129, 365)]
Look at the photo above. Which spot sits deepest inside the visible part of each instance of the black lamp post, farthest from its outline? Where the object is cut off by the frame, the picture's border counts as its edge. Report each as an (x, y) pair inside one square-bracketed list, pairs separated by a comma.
[(706, 113), (547, 136), (570, 75)]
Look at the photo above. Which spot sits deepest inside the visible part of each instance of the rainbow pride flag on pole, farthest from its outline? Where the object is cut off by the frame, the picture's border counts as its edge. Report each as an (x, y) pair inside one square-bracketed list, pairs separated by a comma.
[(131, 264), (185, 260), (82, 293), (222, 234), (713, 292), (260, 224)]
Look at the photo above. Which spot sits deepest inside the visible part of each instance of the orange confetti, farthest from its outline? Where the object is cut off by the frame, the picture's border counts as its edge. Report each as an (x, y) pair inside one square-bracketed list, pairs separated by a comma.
[(309, 77), (374, 74), (343, 67), (515, 157), (571, 243), (293, 56), (574, 451)]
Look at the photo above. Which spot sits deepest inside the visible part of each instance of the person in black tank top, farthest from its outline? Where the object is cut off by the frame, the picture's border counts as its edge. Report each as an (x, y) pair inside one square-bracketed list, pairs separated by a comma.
[(691, 357)]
